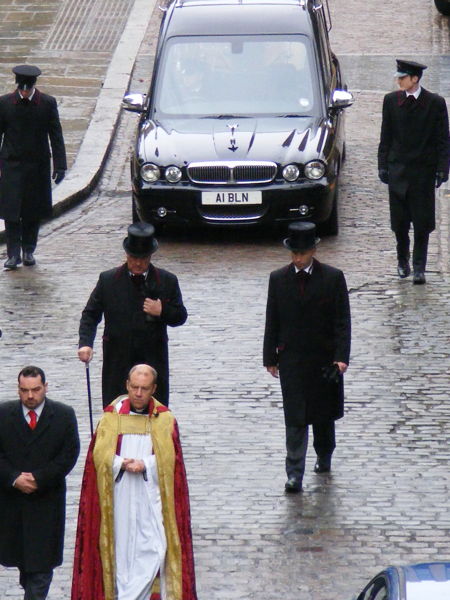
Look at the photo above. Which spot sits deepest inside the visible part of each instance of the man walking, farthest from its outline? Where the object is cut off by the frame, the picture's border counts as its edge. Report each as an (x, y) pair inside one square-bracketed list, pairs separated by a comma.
[(138, 302), (134, 535), (39, 446), (28, 120), (413, 159), (307, 344)]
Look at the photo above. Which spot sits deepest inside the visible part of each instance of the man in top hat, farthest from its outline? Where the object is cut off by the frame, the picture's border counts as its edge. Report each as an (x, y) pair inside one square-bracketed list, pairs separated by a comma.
[(28, 120), (138, 301), (413, 159), (307, 345)]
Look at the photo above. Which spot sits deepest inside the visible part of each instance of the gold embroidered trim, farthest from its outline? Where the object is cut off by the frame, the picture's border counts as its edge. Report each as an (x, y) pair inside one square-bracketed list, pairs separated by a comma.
[(160, 427)]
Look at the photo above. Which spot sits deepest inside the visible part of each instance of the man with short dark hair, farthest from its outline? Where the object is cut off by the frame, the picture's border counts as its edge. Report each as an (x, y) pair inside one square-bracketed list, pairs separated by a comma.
[(134, 537), (39, 446), (413, 159), (28, 120), (138, 302), (307, 345)]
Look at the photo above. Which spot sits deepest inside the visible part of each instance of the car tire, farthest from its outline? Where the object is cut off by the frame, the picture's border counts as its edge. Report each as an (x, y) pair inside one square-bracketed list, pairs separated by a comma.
[(443, 6), (134, 214), (331, 225)]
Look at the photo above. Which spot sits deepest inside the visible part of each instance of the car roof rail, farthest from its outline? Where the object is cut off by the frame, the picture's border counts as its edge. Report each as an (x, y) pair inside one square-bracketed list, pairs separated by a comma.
[(313, 4)]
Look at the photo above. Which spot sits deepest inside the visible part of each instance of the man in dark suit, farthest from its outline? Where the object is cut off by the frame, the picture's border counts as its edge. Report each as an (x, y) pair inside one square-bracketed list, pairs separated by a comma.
[(307, 344), (413, 159), (138, 302), (28, 119), (39, 446)]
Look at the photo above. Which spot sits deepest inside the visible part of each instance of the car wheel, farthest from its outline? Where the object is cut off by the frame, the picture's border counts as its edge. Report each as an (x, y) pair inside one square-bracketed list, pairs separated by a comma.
[(443, 6), (331, 225)]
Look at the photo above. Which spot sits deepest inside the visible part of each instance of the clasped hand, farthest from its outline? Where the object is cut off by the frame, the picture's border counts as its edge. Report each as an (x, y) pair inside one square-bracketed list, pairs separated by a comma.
[(133, 465), (26, 483)]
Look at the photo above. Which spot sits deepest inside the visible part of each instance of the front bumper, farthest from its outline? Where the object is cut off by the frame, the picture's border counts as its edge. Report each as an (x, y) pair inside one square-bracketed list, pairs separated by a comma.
[(182, 205)]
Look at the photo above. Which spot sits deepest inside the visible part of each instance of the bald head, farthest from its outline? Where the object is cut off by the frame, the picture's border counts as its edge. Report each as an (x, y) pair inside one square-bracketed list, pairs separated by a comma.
[(145, 369), (141, 386)]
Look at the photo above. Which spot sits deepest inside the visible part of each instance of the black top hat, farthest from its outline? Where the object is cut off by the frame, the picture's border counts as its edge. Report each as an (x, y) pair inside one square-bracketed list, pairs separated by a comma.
[(302, 236), (141, 240), (26, 76), (409, 67)]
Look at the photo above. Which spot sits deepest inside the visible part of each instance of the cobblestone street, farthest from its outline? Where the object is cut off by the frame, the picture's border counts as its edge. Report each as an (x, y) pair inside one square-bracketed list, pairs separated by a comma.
[(386, 500)]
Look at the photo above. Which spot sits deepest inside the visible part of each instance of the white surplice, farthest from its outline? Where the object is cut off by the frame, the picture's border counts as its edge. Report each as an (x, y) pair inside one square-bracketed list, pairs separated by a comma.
[(140, 541)]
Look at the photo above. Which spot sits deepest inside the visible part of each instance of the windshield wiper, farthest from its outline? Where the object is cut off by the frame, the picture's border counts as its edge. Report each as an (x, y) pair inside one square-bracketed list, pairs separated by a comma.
[(291, 115)]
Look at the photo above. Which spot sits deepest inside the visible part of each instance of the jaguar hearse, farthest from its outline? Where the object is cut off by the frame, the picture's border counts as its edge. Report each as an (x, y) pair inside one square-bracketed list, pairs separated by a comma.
[(243, 122)]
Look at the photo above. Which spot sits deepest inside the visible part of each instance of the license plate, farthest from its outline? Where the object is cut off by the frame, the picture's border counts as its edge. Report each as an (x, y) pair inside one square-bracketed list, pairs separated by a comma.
[(231, 197)]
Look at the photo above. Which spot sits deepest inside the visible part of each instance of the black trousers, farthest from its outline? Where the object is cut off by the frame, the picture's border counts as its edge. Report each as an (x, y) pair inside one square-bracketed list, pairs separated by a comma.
[(22, 234), (420, 250), (297, 444), (36, 585)]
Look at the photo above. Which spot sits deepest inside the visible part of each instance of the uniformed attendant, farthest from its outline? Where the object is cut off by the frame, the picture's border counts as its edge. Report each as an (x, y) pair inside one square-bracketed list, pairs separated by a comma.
[(307, 344), (28, 120), (413, 159)]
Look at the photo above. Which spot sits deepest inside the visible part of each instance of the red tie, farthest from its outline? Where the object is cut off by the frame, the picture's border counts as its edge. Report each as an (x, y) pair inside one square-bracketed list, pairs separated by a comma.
[(33, 419)]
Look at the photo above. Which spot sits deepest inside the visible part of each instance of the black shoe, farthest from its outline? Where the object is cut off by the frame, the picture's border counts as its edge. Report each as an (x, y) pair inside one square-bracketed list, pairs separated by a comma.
[(403, 269), (12, 263), (419, 278), (28, 259), (323, 465), (293, 486)]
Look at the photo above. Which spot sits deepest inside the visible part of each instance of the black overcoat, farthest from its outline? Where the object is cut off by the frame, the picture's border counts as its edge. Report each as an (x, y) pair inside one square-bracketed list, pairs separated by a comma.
[(25, 130), (413, 148), (129, 336), (32, 525), (305, 332)]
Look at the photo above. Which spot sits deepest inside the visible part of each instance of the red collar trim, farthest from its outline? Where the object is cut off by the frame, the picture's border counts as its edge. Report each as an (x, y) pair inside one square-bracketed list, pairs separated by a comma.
[(126, 407)]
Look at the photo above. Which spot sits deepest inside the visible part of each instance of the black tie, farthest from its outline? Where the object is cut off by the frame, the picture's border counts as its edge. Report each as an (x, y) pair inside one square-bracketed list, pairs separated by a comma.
[(302, 277), (410, 101), (139, 282)]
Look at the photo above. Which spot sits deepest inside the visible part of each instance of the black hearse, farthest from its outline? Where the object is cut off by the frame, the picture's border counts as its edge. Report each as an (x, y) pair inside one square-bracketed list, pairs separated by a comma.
[(243, 123)]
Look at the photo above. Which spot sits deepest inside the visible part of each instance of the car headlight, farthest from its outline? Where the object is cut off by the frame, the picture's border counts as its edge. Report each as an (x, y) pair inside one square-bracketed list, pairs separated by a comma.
[(173, 174), (150, 172), (291, 172), (315, 169)]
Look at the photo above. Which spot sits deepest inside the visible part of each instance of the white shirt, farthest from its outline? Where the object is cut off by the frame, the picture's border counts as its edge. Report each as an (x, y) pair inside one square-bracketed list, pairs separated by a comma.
[(38, 410), (29, 97), (307, 269), (416, 94)]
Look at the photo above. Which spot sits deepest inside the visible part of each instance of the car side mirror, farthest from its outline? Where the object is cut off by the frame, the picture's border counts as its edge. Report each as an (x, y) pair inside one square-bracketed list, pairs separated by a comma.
[(341, 99), (134, 102)]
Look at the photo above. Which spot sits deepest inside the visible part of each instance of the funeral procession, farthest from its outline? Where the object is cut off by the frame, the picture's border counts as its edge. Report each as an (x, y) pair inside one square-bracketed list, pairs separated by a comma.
[(224, 300)]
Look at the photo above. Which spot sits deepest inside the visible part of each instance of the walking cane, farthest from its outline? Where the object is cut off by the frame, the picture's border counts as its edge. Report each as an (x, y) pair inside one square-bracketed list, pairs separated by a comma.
[(88, 383)]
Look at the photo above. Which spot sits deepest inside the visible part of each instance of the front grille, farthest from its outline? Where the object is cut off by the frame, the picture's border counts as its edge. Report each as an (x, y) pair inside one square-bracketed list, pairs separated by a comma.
[(232, 172), (232, 213)]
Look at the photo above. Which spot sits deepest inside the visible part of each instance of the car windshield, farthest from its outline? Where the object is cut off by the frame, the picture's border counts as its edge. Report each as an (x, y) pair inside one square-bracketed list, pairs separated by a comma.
[(224, 76)]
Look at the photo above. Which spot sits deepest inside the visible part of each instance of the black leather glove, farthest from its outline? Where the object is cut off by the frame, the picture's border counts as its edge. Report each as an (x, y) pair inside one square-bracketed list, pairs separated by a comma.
[(440, 178), (58, 175), (383, 174), (331, 373)]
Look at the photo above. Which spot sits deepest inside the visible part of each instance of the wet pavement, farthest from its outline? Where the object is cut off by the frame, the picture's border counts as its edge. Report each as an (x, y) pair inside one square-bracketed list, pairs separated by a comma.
[(386, 500)]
